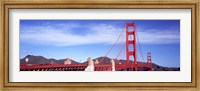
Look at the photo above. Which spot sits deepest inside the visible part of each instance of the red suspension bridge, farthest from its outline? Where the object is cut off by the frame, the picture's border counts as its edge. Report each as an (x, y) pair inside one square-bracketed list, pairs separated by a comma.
[(131, 39)]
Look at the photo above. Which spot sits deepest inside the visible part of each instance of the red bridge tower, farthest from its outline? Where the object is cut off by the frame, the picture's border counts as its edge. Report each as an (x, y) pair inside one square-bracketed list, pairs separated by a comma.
[(131, 41), (149, 61)]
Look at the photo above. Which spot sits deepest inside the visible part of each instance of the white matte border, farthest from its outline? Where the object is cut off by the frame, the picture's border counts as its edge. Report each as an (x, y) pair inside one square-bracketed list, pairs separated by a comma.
[(184, 15)]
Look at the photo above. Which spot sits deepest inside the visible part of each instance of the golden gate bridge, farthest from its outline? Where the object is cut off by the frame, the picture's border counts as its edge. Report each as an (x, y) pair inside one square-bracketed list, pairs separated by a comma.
[(131, 39)]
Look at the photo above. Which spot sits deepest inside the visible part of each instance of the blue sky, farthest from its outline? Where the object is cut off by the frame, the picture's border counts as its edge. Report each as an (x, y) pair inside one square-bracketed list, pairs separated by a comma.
[(80, 39)]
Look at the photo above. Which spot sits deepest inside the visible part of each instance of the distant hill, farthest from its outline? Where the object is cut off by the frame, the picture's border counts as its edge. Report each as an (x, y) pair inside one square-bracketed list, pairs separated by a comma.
[(105, 61), (161, 68), (42, 60)]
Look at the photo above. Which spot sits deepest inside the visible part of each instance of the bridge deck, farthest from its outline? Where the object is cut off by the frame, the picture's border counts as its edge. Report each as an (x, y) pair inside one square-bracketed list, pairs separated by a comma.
[(81, 67)]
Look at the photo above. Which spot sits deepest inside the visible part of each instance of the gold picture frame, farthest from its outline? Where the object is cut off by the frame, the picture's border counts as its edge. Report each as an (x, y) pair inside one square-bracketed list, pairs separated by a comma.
[(129, 4)]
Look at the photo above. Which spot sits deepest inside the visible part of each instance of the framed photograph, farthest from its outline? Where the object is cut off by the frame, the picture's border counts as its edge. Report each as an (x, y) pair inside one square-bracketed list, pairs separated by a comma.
[(100, 45)]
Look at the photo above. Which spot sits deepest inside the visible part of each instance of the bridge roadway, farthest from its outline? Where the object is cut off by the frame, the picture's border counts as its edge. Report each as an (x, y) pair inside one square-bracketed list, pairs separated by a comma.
[(81, 67)]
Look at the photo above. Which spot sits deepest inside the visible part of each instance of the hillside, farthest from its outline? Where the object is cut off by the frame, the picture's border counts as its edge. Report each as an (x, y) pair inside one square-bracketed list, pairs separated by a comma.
[(42, 60)]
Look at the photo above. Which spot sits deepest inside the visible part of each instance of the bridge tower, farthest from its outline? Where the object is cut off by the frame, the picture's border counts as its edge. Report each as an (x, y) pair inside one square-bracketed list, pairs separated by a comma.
[(149, 60), (131, 41)]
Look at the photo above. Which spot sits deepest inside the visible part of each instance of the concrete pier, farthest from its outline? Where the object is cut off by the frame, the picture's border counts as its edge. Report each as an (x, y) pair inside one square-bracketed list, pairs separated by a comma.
[(113, 65), (90, 66)]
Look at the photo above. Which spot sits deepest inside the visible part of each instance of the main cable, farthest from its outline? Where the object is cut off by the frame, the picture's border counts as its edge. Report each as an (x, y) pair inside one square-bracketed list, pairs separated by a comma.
[(112, 46), (140, 47)]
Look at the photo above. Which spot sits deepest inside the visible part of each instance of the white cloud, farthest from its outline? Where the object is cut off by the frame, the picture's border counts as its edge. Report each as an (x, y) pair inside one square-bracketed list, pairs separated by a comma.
[(159, 37), (61, 35)]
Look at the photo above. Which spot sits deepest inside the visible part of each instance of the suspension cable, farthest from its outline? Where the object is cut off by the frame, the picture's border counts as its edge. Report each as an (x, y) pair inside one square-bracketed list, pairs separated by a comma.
[(120, 51), (140, 47), (112, 46)]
